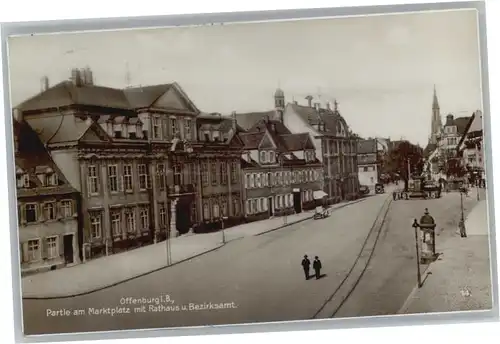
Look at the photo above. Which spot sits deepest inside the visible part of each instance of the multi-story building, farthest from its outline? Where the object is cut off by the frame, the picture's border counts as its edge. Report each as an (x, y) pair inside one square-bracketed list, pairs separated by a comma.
[(336, 146), (470, 148), (133, 153), (218, 153), (281, 172), (48, 207), (369, 162)]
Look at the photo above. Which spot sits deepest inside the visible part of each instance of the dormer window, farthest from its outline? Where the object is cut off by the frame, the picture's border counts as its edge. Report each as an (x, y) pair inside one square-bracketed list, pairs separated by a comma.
[(23, 180), (156, 127), (51, 179), (206, 135), (174, 129), (272, 157), (117, 130), (263, 157), (216, 136)]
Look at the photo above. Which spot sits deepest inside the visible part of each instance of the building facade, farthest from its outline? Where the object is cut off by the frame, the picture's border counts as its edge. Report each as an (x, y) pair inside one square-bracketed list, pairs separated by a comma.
[(48, 207), (134, 154), (281, 171), (470, 149), (369, 162), (336, 146)]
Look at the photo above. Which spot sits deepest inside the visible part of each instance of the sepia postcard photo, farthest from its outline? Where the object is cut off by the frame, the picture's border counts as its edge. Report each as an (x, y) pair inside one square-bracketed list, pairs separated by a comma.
[(250, 172)]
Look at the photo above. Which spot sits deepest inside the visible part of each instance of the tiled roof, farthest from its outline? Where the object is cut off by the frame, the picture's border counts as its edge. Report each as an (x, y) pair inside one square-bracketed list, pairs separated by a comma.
[(273, 125), (313, 117), (461, 123), (367, 146), (248, 120), (251, 140), (297, 142), (66, 93), (33, 158), (58, 129)]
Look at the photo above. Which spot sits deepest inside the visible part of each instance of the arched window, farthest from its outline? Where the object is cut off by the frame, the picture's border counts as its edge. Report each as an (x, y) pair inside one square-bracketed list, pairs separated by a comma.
[(206, 211), (216, 210)]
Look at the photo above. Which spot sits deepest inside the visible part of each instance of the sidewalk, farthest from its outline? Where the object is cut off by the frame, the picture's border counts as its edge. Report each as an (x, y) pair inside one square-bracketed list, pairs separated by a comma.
[(108, 271), (460, 280)]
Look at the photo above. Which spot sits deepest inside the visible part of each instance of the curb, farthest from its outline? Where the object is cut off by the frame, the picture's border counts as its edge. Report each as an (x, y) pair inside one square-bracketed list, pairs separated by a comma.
[(307, 218), (122, 281)]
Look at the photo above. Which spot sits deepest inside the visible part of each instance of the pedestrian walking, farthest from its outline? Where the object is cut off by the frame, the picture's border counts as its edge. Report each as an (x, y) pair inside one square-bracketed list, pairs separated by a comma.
[(317, 267), (306, 263)]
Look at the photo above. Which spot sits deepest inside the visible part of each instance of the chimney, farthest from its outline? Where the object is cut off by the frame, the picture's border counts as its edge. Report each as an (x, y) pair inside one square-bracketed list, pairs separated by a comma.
[(18, 114), (44, 84), (309, 101), (328, 106), (76, 77), (233, 120), (316, 106)]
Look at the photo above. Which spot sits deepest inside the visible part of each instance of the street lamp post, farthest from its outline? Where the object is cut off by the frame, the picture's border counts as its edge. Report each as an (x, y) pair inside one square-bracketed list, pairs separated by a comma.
[(223, 229), (419, 276), (461, 224)]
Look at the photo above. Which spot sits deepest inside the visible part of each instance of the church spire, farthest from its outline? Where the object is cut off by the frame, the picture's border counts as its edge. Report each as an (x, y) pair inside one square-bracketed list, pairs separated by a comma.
[(435, 103)]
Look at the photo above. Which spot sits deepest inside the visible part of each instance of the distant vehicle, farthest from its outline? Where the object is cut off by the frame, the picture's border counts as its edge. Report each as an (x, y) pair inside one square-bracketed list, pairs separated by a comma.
[(364, 190), (419, 188), (379, 188)]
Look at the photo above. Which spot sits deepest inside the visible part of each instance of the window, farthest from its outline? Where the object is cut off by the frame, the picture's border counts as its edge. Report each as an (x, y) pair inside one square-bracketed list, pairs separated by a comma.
[(204, 174), (127, 178), (66, 208), (144, 219), (257, 180), (234, 173), (156, 128), (249, 206), (173, 126), (224, 208), (247, 180), (213, 173), (365, 169), (177, 174), (216, 135), (253, 206), (272, 157), (52, 250), (162, 215), (252, 180), (93, 182), (236, 207), (215, 210), (116, 227), (31, 214), (160, 172), (143, 177), (290, 199), (187, 129), (261, 204), (49, 211), (130, 221), (223, 173), (263, 157), (51, 179), (95, 226), (206, 211), (34, 252), (113, 178), (26, 180)]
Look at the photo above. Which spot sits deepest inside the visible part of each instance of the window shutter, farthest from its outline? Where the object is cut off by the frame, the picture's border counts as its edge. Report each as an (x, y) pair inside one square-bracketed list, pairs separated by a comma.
[(60, 245), (25, 256), (43, 244)]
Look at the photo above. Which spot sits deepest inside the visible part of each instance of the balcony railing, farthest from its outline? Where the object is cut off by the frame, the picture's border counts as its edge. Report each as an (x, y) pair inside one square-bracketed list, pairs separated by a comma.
[(181, 189)]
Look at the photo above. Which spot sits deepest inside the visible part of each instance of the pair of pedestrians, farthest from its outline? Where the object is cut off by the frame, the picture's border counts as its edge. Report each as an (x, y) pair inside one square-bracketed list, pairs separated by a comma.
[(306, 264)]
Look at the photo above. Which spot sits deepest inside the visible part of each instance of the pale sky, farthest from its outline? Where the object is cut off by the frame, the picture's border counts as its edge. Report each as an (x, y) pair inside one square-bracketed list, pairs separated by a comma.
[(381, 69)]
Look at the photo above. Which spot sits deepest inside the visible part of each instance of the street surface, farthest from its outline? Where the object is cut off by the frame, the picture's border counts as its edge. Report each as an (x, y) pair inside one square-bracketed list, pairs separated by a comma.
[(259, 279)]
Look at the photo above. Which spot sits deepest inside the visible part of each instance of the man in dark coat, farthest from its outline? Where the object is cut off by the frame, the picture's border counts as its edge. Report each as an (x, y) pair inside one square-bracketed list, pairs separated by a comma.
[(306, 263), (317, 267)]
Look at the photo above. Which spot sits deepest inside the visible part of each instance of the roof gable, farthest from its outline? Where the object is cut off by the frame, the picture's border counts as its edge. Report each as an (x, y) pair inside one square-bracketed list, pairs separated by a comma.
[(171, 100), (267, 142), (94, 133)]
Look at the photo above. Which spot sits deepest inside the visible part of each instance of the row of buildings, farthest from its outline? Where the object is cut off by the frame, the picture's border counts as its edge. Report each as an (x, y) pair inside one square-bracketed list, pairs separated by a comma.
[(455, 148), (100, 170)]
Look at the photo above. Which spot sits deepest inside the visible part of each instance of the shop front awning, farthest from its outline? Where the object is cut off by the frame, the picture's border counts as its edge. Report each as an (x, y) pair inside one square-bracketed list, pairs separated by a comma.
[(319, 194)]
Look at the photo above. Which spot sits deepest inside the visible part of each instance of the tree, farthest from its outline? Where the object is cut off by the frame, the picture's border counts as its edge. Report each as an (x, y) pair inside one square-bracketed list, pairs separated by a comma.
[(402, 157)]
